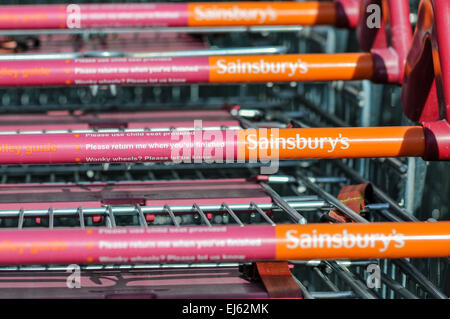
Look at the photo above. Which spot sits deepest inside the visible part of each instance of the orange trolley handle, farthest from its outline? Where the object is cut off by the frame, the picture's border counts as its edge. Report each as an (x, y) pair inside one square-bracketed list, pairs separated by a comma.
[(241, 145)]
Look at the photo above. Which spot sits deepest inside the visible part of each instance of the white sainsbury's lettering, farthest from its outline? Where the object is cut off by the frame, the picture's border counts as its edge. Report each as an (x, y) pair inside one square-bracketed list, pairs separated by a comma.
[(262, 67), (297, 142), (234, 14), (343, 240)]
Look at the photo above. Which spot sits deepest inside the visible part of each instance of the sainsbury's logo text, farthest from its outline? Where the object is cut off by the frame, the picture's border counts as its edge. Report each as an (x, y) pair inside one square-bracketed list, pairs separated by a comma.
[(261, 15), (344, 239), (261, 67), (298, 142)]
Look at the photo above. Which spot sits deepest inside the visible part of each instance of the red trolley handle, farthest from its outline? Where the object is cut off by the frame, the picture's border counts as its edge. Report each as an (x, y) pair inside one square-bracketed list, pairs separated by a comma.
[(390, 40)]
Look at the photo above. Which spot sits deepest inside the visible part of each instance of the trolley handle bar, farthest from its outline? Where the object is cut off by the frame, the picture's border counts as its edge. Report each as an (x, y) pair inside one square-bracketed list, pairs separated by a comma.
[(208, 14), (184, 70), (265, 145), (224, 243)]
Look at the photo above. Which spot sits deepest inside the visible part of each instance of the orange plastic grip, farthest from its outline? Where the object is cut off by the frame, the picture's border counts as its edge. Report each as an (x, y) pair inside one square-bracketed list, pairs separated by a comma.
[(291, 67), (261, 13), (349, 142), (359, 241)]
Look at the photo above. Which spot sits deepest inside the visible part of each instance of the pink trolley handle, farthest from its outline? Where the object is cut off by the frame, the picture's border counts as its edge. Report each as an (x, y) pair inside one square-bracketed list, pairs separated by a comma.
[(388, 40), (426, 85)]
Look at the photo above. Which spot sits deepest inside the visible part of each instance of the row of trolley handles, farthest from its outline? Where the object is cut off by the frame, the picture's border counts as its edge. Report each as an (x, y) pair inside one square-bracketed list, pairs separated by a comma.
[(382, 62)]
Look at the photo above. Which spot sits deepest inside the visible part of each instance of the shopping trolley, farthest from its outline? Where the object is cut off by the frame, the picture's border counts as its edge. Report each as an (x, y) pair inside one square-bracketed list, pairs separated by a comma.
[(299, 179)]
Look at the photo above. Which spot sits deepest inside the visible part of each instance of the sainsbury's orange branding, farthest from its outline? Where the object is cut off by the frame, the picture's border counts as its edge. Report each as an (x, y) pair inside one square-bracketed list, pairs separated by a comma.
[(362, 240), (261, 13), (290, 67)]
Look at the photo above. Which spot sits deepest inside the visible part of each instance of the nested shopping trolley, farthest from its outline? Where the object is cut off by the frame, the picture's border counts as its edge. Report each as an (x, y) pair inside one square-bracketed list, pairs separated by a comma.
[(154, 227)]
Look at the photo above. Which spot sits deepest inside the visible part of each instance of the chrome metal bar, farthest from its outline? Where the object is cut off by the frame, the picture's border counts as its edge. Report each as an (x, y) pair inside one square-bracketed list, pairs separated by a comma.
[(325, 179), (346, 263), (141, 216), (147, 167), (394, 285), (377, 206), (110, 217), (81, 216), (412, 271), (346, 275), (330, 179), (298, 218), (181, 53), (290, 199), (202, 214), (332, 294), (40, 56), (281, 179), (117, 267), (20, 222), (211, 52), (326, 280), (50, 217), (261, 212), (131, 209), (171, 214), (118, 130), (190, 30), (232, 214)]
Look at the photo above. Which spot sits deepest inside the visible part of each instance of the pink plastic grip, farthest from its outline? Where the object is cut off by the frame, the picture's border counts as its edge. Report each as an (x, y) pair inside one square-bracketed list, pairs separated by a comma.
[(89, 71), (119, 147), (60, 16), (426, 86)]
